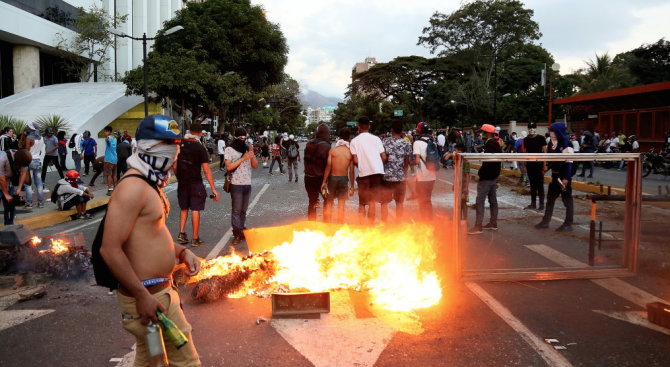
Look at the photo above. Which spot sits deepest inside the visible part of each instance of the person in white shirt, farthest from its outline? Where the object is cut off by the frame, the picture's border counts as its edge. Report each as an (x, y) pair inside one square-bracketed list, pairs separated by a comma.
[(614, 143), (77, 152), (70, 195), (221, 150), (441, 141), (425, 178), (369, 155)]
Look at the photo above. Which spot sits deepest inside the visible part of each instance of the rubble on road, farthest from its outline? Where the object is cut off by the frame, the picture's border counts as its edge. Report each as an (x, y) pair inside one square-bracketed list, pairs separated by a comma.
[(35, 294)]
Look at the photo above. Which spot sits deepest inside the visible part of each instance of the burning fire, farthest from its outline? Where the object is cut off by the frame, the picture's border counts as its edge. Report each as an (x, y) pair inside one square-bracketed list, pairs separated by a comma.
[(57, 247), (35, 241), (394, 263)]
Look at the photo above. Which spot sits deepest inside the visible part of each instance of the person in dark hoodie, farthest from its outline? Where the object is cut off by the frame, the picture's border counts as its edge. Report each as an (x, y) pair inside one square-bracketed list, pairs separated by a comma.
[(316, 158), (487, 185), (535, 143), (561, 179), (588, 146)]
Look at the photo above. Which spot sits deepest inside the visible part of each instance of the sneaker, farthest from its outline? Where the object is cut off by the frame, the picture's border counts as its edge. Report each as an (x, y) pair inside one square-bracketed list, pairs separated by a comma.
[(271, 174), (85, 174), (45, 190), (88, 216), (197, 242), (530, 207), (283, 173), (296, 179), (236, 240), (80, 217), (542, 225), (40, 204), (109, 192), (541, 208), (90, 184), (28, 206), (564, 228), (589, 177), (182, 238), (490, 227), (475, 230)]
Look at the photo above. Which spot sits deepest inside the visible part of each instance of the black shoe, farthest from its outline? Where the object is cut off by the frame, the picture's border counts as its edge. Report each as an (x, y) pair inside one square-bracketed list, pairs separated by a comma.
[(590, 177), (236, 240), (181, 238), (542, 225), (564, 227), (490, 227), (580, 175), (541, 208), (475, 230), (296, 179), (531, 207)]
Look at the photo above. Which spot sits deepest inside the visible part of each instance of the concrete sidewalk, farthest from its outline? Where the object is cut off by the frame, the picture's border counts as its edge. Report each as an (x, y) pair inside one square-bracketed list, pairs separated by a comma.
[(49, 215)]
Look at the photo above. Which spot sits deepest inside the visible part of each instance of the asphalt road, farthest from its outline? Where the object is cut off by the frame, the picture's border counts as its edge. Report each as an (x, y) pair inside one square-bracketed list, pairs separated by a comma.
[(485, 324)]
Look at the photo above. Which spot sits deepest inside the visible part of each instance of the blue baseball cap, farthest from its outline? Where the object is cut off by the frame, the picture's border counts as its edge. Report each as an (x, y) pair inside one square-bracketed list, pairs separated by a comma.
[(159, 127)]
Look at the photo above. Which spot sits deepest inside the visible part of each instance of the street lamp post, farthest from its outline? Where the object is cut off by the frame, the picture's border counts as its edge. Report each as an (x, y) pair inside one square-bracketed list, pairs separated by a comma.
[(144, 40), (556, 67)]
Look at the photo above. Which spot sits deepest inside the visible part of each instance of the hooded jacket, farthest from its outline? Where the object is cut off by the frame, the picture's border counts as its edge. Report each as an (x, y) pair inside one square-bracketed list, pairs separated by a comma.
[(322, 141), (589, 143), (562, 169)]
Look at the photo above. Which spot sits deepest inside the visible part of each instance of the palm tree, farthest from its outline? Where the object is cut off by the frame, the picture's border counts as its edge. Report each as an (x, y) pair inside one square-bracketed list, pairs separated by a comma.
[(603, 74)]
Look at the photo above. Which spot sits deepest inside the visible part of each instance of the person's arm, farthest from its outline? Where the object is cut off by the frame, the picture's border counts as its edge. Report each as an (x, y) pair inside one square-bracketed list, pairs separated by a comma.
[(95, 150), (230, 165), (22, 180), (122, 212), (326, 173), (210, 179), (405, 165), (351, 177), (384, 157), (355, 160), (5, 191), (252, 156)]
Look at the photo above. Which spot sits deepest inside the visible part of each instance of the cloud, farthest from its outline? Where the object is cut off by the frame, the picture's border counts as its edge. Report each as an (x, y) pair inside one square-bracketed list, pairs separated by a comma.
[(326, 39)]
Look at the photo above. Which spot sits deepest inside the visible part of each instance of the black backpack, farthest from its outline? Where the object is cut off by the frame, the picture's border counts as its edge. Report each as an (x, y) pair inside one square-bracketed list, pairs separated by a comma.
[(71, 143), (104, 276), (311, 150)]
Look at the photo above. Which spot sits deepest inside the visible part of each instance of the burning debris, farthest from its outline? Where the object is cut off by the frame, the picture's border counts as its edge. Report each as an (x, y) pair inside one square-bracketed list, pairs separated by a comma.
[(396, 264), (58, 259)]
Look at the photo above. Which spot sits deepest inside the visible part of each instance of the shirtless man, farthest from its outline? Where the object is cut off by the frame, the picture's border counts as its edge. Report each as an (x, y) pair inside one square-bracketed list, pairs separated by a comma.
[(340, 161), (137, 246)]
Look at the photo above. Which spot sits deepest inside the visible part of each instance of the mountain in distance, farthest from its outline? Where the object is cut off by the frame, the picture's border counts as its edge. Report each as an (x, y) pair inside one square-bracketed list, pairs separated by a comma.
[(314, 99)]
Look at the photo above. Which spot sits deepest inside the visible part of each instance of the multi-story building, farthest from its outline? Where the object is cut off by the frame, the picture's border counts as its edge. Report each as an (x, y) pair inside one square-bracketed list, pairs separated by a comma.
[(33, 83), (320, 114), (361, 67)]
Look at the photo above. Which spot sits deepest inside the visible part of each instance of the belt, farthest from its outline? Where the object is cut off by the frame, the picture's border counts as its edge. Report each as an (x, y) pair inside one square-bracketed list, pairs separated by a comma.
[(152, 289)]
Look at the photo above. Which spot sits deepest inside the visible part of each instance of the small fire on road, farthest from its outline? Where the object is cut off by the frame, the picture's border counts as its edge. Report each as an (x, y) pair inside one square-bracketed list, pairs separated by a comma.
[(396, 264)]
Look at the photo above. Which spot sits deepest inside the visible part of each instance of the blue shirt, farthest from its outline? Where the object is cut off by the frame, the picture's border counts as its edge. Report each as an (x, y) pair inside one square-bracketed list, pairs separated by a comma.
[(88, 146), (518, 144), (110, 150)]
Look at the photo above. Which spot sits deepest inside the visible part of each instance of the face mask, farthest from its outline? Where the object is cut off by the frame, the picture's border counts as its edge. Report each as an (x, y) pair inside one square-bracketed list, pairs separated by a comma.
[(531, 131)]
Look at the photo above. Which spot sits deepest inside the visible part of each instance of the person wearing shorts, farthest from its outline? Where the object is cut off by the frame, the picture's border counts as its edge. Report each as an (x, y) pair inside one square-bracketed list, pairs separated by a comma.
[(369, 155), (393, 184), (111, 160), (340, 164)]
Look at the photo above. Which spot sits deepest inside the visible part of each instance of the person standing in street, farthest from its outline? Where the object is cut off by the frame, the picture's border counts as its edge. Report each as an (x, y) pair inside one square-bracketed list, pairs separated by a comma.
[(190, 190), (34, 142), (393, 184), (588, 146), (240, 159), (441, 141), (292, 157), (136, 245), (221, 150), (315, 160), (123, 152), (51, 153), (111, 160), (89, 148), (276, 151), (487, 185), (425, 176), (13, 172), (75, 145), (369, 155), (8, 139), (534, 143), (338, 174), (62, 149), (561, 179), (518, 148)]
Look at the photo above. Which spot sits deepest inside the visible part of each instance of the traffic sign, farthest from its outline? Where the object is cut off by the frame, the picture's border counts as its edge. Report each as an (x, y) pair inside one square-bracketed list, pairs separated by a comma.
[(352, 123), (397, 112)]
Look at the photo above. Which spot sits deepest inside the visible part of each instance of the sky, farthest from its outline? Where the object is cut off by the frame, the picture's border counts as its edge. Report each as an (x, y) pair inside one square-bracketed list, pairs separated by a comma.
[(328, 38)]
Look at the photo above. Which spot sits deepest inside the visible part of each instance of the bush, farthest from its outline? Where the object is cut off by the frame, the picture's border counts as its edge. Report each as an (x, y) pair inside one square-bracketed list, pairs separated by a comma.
[(17, 124), (55, 122)]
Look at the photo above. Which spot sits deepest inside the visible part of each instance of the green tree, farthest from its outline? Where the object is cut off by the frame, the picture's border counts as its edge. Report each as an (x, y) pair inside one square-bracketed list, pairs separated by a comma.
[(603, 74), (88, 51), (648, 64)]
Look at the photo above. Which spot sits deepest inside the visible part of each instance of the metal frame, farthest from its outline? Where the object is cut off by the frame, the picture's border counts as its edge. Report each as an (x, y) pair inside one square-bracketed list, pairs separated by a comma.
[(631, 231)]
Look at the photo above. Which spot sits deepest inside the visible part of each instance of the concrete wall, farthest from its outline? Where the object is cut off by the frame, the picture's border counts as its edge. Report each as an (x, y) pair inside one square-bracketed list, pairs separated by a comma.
[(26, 60)]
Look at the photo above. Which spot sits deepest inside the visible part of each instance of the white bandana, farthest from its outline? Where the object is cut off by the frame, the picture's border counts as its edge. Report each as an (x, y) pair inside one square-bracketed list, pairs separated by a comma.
[(341, 142), (154, 162)]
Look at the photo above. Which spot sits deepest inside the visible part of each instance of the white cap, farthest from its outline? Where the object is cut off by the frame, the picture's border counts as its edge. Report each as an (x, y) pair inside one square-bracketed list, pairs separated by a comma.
[(497, 128), (290, 137)]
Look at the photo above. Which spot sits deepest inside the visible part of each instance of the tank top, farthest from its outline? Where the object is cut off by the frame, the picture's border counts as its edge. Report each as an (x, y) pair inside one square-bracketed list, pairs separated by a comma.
[(36, 149)]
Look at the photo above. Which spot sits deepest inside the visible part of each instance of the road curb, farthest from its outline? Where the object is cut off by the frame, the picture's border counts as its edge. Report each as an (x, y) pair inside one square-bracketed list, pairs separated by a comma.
[(56, 217)]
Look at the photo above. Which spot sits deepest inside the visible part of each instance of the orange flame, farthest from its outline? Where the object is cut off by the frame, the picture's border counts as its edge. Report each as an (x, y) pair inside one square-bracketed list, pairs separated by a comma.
[(394, 263), (35, 241), (57, 247)]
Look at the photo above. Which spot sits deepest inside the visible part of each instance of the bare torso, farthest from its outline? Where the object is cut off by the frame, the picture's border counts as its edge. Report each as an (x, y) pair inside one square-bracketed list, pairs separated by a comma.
[(149, 247), (340, 160)]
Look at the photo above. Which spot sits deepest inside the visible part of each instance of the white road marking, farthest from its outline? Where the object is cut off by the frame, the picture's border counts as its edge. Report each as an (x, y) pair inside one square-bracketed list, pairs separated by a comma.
[(634, 317), (222, 242), (88, 223), (17, 317), (615, 285), (338, 338), (546, 351)]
